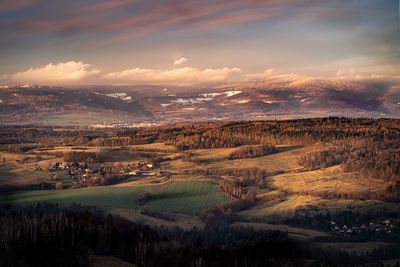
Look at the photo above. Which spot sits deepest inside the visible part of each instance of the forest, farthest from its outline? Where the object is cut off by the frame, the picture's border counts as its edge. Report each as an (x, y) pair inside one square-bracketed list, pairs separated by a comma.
[(48, 235), (253, 152)]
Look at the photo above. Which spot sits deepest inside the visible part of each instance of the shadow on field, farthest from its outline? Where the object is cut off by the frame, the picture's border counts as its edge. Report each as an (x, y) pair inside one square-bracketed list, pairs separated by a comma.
[(163, 196), (288, 148)]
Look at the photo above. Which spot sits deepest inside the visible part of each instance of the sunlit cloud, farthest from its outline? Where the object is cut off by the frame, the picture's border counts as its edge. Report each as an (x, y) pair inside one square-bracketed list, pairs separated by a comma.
[(64, 72), (260, 76), (78, 72), (180, 61), (176, 76)]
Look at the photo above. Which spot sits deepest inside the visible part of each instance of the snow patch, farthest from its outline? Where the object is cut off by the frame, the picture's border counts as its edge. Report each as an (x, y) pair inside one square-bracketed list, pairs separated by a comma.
[(268, 101), (232, 93), (122, 96), (204, 97), (227, 93), (242, 101), (181, 101), (212, 95), (189, 101), (304, 99)]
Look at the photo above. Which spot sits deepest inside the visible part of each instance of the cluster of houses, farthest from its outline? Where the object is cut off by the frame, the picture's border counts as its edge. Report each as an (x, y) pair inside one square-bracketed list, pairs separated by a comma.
[(381, 226), (83, 172), (126, 125)]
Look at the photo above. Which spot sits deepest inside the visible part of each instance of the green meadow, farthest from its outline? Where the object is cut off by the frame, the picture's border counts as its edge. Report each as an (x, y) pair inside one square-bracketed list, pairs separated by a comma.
[(181, 196)]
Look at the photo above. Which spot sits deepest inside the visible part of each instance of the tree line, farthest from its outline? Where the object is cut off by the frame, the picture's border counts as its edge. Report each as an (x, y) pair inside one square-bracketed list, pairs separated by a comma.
[(253, 151), (48, 235)]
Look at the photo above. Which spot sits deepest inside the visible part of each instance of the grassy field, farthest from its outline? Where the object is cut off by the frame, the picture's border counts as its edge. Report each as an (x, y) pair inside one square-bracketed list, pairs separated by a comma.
[(179, 165), (272, 209), (294, 189), (154, 147), (286, 159), (326, 180), (187, 197), (277, 210), (13, 175)]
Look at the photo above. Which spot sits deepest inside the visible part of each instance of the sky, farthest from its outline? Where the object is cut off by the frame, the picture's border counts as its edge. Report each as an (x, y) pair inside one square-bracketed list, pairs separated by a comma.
[(195, 41)]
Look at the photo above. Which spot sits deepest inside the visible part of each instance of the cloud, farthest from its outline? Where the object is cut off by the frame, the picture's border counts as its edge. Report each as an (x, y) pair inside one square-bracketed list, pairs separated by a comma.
[(103, 6), (180, 61), (78, 72), (176, 76), (57, 25), (142, 18), (60, 73), (260, 76), (11, 5)]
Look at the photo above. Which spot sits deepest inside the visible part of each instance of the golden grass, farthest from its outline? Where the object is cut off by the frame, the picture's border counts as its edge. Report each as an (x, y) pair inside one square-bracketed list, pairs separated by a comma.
[(273, 209), (154, 146), (327, 180), (179, 165), (286, 159), (277, 210)]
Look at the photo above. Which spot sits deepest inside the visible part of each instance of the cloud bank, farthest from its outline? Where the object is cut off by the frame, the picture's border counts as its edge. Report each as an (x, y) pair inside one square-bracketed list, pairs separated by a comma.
[(60, 73), (78, 72), (177, 76)]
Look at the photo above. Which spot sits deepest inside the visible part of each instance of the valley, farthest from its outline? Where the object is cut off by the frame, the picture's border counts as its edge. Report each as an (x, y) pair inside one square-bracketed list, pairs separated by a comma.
[(187, 176)]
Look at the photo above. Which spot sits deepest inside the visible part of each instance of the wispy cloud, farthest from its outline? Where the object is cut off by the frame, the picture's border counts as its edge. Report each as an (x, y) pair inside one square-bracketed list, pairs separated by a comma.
[(103, 6), (166, 15), (10, 5), (57, 25)]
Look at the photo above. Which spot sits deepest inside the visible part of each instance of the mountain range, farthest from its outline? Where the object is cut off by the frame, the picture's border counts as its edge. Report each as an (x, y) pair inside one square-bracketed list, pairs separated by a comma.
[(279, 98)]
